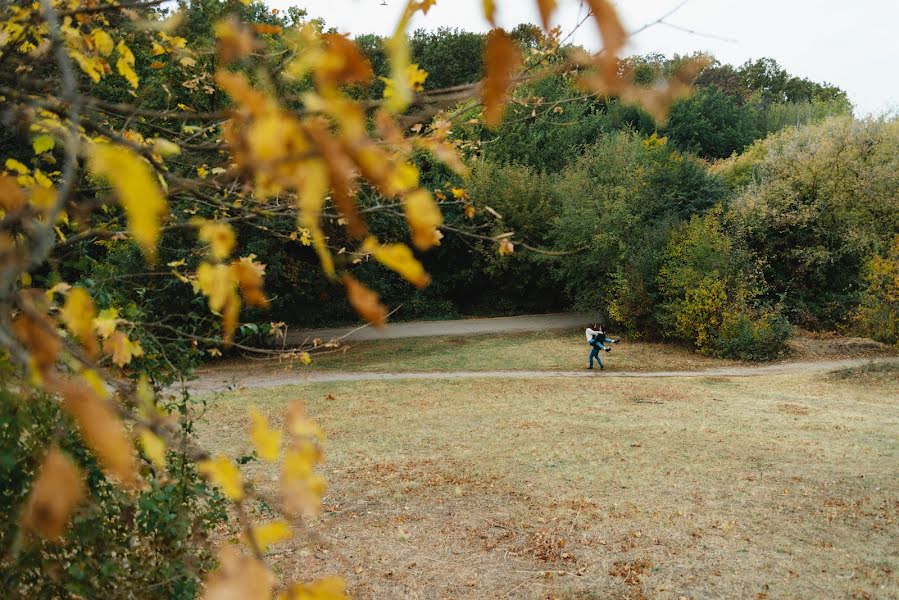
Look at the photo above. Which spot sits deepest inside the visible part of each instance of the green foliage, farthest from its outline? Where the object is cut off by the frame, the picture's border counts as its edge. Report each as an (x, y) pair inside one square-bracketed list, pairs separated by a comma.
[(152, 542), (878, 311), (818, 201), (615, 204), (711, 124), (709, 291)]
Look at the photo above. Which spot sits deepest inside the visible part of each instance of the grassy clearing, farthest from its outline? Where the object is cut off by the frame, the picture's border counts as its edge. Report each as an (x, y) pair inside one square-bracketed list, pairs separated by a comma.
[(543, 350), (777, 487)]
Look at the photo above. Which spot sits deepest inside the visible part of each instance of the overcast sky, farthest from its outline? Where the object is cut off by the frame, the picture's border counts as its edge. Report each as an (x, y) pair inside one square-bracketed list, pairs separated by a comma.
[(854, 45)]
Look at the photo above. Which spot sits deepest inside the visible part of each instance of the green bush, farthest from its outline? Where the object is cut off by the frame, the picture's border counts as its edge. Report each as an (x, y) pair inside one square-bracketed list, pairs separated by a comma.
[(747, 336), (878, 313), (149, 543)]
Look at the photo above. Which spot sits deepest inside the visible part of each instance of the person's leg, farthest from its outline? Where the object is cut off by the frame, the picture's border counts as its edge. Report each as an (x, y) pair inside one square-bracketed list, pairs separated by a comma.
[(594, 353)]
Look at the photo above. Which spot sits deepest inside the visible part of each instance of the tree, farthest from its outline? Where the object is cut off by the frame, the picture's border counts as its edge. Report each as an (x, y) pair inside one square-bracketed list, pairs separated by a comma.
[(711, 124), (135, 147)]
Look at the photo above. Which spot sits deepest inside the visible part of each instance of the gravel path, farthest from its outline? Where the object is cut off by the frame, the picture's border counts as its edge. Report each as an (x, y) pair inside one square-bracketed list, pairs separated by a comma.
[(454, 327), (213, 382)]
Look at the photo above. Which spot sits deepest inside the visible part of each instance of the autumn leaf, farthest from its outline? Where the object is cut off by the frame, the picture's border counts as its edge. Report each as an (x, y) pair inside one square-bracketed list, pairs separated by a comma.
[(125, 64), (106, 322), (12, 197), (270, 533), (266, 440), (399, 55), (327, 588), (301, 487), (506, 247), (38, 335), (312, 192), (56, 491), (78, 313), (345, 63), (137, 190), (121, 348), (102, 42), (219, 236), (547, 8), (424, 218), (300, 424), (248, 275), (239, 577), (153, 447), (613, 33), (399, 258), (223, 473), (503, 59), (43, 143), (489, 7), (365, 302), (234, 40), (101, 428)]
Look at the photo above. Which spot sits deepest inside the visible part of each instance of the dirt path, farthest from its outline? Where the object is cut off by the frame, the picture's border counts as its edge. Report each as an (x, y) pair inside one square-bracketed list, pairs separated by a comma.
[(454, 327), (213, 382)]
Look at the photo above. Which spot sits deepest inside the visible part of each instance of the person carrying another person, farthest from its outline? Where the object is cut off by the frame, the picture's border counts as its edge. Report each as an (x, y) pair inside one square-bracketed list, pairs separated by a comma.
[(596, 337)]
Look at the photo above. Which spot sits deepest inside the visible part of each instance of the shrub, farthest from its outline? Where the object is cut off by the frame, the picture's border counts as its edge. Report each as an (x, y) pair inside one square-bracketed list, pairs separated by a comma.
[(878, 313), (748, 336), (151, 543)]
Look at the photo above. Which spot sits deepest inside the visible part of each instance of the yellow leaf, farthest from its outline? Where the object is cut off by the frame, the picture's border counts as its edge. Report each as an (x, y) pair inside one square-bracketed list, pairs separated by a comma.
[(102, 41), (58, 489), (266, 440), (490, 11), (399, 258), (122, 348), (506, 247), (312, 192), (270, 533), (137, 189), (42, 143), (105, 323), (547, 8), (305, 358), (157, 49), (164, 147), (153, 447), (249, 278), (503, 59), (125, 64), (613, 33), (96, 382), (224, 474), (424, 218), (14, 165), (216, 282), (365, 302), (100, 427), (239, 577), (327, 588), (219, 236), (300, 424), (301, 487), (79, 313), (399, 55)]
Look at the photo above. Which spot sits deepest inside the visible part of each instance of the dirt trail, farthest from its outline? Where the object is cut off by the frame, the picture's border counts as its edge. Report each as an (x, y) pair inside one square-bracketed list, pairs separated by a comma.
[(221, 381)]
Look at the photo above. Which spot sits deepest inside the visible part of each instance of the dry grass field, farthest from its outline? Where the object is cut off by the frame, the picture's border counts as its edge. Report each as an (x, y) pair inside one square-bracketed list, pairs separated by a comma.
[(782, 486)]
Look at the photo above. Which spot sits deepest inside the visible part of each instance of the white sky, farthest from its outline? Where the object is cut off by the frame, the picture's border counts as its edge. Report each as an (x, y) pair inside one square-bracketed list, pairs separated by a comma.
[(853, 44)]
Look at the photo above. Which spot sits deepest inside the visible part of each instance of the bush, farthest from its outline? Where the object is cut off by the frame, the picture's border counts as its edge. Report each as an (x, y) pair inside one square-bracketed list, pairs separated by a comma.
[(752, 337), (152, 543), (878, 313), (709, 290)]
